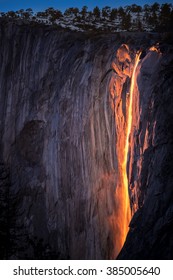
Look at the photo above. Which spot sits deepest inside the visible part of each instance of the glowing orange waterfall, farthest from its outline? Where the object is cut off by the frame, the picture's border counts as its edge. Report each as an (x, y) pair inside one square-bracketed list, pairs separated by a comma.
[(123, 210)]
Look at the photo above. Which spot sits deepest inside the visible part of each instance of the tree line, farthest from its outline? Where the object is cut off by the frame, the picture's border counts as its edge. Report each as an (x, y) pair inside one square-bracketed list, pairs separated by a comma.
[(153, 17)]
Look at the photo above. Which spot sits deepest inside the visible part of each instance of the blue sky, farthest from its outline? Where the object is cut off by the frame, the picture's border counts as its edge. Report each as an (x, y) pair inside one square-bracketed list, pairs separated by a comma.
[(37, 5)]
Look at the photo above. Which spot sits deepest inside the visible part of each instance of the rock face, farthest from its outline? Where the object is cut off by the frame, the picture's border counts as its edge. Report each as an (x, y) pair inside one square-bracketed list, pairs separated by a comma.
[(151, 160), (58, 141)]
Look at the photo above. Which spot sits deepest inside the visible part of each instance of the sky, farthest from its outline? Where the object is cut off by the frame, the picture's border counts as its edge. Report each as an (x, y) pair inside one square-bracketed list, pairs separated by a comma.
[(38, 5)]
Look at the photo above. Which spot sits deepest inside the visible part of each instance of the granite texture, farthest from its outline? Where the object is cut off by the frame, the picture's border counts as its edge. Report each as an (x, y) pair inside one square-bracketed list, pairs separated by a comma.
[(58, 144)]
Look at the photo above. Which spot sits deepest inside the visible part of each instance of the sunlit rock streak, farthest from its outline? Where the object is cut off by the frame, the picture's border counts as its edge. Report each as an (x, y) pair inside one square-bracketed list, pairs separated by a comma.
[(123, 116)]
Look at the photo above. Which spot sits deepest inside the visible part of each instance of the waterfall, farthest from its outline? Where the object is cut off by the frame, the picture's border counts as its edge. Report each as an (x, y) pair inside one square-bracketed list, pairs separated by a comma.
[(123, 128)]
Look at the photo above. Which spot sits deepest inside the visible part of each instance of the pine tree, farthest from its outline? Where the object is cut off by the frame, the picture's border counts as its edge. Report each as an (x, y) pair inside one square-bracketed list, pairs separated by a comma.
[(106, 11), (96, 12), (84, 11), (113, 14), (165, 17), (126, 21)]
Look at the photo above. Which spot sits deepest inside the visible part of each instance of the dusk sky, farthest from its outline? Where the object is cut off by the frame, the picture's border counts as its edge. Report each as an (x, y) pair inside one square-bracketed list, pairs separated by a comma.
[(38, 5)]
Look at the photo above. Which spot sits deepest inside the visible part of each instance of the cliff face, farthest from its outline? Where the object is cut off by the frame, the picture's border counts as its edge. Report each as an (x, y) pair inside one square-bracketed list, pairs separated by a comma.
[(60, 138), (151, 160)]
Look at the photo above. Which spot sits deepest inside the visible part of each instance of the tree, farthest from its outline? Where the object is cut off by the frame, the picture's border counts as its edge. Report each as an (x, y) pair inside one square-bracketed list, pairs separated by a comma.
[(41, 15), (165, 17), (136, 9), (127, 9), (11, 14), (20, 13), (75, 11), (84, 11), (90, 15), (27, 14), (49, 11), (146, 10), (165, 11), (56, 14), (139, 25), (121, 12), (52, 14), (106, 11), (96, 12), (68, 12), (30, 12), (71, 12), (113, 14), (155, 7), (126, 21), (2, 14)]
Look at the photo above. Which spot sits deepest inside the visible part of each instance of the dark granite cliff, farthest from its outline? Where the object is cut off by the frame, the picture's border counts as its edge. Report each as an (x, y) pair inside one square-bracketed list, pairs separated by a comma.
[(57, 138), (58, 152)]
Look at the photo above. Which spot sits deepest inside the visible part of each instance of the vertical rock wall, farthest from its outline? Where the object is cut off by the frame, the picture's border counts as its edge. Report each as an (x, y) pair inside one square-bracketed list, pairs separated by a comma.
[(58, 139), (60, 119), (150, 175)]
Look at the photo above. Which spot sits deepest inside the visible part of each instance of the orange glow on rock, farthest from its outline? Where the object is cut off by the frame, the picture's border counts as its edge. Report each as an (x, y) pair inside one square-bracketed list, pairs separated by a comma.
[(155, 48), (124, 125)]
